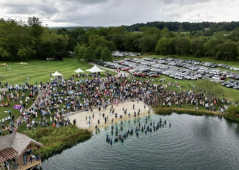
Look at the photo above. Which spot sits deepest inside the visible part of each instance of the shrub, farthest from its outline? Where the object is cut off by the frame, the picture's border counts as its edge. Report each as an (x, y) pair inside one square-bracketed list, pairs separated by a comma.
[(56, 140)]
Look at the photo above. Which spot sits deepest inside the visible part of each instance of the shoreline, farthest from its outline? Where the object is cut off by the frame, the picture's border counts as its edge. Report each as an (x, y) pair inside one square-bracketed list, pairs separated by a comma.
[(81, 122), (187, 111)]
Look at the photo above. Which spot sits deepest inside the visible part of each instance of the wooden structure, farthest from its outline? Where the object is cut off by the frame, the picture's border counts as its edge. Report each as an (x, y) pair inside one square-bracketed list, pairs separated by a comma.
[(16, 147)]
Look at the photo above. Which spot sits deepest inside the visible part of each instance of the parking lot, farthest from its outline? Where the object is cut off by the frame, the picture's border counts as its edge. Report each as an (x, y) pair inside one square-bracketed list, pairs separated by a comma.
[(177, 69)]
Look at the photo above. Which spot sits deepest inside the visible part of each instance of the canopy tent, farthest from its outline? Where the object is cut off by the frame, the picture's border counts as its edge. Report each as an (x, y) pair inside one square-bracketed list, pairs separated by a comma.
[(79, 70), (94, 69), (56, 74)]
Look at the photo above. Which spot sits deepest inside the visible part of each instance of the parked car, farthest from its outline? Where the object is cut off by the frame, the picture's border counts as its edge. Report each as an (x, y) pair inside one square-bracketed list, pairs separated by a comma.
[(154, 75)]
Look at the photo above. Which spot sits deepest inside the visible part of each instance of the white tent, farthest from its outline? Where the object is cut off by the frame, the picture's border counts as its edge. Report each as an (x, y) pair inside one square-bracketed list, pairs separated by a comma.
[(79, 70), (94, 69), (56, 74)]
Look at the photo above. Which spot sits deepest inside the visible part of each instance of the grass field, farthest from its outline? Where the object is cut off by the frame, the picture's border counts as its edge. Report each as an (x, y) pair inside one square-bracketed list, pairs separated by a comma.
[(39, 70)]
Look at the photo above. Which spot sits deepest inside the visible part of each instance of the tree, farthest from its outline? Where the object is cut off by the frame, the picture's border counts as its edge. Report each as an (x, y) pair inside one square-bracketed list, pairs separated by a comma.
[(165, 46), (118, 41), (16, 42), (197, 47), (71, 43), (227, 51), (89, 55), (148, 43), (151, 31), (93, 46), (98, 52), (100, 41), (182, 46), (166, 33), (106, 55), (81, 52), (211, 47), (37, 30), (47, 50)]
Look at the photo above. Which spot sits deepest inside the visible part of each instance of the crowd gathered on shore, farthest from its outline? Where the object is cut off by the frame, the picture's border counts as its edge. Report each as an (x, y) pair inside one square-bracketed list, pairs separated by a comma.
[(63, 97)]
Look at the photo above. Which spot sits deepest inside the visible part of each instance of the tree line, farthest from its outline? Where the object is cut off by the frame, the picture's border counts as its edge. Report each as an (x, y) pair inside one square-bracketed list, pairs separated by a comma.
[(21, 41), (222, 45), (30, 40), (186, 26)]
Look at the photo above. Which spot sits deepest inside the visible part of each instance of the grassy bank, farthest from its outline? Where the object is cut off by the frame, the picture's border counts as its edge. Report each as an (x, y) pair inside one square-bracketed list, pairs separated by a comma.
[(168, 111), (233, 113), (56, 140)]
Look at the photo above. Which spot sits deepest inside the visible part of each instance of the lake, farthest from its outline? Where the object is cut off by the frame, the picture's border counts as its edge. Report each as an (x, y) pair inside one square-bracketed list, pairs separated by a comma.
[(191, 143)]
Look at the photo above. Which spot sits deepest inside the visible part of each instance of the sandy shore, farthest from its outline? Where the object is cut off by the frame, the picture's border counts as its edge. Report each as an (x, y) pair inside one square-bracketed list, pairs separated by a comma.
[(83, 124)]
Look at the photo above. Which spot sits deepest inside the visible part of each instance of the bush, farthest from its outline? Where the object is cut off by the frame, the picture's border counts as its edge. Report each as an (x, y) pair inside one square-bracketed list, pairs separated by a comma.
[(233, 109), (56, 140), (233, 113)]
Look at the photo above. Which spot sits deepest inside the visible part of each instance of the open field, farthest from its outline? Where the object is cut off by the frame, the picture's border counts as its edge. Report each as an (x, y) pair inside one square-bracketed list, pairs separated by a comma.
[(39, 70)]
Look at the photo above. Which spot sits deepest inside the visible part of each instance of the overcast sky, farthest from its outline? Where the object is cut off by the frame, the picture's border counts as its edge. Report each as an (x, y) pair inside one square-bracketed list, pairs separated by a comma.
[(119, 12)]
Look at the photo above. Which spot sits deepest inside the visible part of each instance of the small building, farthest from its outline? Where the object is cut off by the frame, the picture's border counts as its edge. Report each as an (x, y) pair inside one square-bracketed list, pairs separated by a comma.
[(18, 150)]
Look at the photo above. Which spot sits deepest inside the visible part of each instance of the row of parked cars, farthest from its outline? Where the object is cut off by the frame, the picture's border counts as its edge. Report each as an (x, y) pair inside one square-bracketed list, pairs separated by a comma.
[(231, 84), (174, 68), (207, 64), (195, 66), (123, 54)]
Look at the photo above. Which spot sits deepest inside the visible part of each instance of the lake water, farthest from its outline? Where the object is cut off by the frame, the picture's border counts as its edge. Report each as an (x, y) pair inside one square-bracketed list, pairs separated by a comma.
[(192, 143)]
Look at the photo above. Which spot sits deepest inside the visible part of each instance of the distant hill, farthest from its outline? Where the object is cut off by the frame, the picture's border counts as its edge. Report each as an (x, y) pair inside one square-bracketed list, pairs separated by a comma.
[(186, 26), (71, 28), (173, 26)]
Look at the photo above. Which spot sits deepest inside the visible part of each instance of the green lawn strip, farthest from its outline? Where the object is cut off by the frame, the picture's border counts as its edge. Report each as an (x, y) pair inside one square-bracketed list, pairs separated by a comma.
[(40, 70)]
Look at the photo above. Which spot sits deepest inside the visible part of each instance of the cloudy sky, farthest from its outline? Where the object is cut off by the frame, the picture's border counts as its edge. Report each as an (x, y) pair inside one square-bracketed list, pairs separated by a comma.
[(119, 12)]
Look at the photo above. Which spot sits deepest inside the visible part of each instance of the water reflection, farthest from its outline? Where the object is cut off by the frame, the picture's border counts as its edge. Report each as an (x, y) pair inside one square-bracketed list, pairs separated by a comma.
[(192, 142)]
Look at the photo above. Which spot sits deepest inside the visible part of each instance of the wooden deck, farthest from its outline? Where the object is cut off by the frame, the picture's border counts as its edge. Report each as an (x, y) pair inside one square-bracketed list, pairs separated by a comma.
[(30, 165)]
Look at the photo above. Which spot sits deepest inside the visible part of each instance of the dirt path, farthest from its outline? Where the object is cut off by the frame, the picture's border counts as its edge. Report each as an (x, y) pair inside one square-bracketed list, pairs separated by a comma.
[(39, 96)]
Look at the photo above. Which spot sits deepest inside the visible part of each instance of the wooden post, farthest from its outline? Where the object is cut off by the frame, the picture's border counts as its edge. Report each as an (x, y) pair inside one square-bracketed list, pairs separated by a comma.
[(39, 153), (20, 162)]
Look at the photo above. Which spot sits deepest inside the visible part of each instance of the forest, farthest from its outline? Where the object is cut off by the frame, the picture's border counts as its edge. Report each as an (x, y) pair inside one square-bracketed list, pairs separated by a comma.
[(22, 41)]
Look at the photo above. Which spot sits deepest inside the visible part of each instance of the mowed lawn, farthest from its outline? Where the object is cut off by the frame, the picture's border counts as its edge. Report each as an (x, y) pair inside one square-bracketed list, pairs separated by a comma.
[(40, 70)]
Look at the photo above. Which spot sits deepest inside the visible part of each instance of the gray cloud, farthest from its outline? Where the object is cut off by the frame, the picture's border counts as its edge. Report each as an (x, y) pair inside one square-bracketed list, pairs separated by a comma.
[(183, 2), (119, 12), (87, 1)]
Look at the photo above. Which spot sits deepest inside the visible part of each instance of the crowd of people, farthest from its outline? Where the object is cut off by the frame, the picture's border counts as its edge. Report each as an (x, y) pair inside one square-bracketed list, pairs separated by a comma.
[(62, 97)]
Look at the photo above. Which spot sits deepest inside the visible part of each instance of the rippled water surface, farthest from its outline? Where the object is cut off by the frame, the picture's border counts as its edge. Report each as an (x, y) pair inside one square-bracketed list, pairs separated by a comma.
[(192, 143)]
